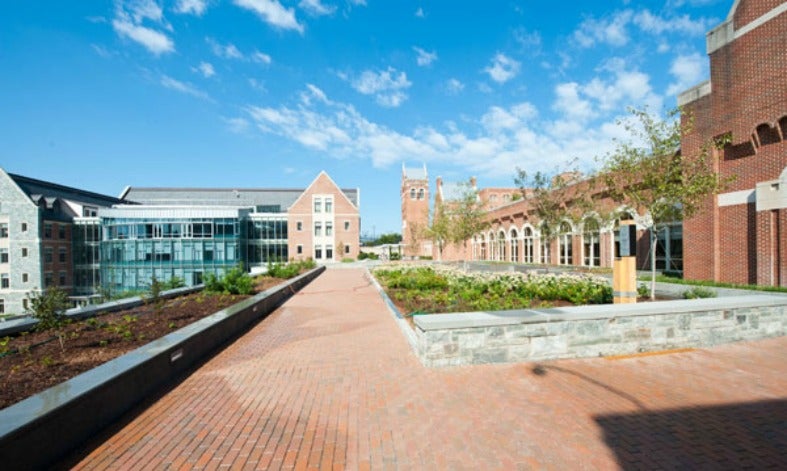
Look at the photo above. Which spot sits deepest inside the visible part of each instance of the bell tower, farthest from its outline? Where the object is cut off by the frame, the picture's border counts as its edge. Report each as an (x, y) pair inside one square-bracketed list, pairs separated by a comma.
[(415, 211)]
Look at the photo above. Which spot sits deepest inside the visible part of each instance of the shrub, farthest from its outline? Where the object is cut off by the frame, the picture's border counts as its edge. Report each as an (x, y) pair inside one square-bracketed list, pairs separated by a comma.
[(348, 260), (234, 281), (699, 292), (291, 269), (49, 308)]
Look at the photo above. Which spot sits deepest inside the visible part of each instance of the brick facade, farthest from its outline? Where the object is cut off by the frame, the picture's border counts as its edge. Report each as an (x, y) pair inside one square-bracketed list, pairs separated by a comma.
[(732, 240)]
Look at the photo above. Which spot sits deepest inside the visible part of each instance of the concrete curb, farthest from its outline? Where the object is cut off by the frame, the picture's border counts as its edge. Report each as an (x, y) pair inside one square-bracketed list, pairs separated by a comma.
[(42, 429), (409, 334)]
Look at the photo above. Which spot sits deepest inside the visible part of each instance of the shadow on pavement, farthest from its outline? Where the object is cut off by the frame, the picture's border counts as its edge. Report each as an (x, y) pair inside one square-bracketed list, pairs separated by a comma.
[(735, 436)]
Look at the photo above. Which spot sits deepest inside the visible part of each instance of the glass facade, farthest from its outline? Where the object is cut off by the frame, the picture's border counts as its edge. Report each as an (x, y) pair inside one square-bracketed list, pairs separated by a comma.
[(266, 239), (86, 240), (134, 250)]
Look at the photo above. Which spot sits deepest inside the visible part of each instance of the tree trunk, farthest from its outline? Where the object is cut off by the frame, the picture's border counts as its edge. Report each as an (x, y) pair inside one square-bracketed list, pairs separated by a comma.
[(653, 240)]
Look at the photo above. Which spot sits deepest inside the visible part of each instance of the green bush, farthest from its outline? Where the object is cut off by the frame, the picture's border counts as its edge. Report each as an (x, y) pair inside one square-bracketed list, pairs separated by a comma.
[(699, 292), (348, 260), (289, 270), (49, 308), (234, 281)]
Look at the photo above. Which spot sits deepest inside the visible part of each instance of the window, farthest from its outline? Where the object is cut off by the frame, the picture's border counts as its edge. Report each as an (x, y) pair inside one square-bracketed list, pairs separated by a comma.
[(591, 247), (318, 229), (528, 245), (61, 231), (346, 225), (669, 248), (299, 226), (4, 281), (47, 230), (24, 227), (346, 249), (48, 255), (318, 252), (24, 251), (317, 205), (420, 193), (546, 258), (2, 306), (300, 249), (89, 211), (3, 255), (565, 244), (329, 252), (328, 205), (329, 228), (412, 193), (24, 304), (24, 277), (514, 245), (4, 230), (61, 278), (506, 197), (48, 279), (61, 256)]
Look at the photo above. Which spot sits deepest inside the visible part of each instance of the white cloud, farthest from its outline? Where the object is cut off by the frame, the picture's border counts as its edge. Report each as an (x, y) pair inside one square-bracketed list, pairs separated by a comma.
[(206, 69), (419, 13), (571, 104), (688, 71), (128, 23), (154, 41), (386, 85), (610, 31), (657, 25), (257, 85), (316, 8), (454, 86), (261, 57), (529, 41), (237, 125), (193, 7), (273, 13), (497, 141), (183, 87), (424, 58), (502, 69), (102, 51)]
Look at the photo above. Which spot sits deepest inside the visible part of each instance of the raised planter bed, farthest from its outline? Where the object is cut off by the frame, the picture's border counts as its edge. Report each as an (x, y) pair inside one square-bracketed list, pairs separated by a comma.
[(41, 429)]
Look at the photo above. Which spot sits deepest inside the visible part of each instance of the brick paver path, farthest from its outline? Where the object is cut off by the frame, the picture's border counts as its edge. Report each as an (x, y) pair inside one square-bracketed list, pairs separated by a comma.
[(328, 382)]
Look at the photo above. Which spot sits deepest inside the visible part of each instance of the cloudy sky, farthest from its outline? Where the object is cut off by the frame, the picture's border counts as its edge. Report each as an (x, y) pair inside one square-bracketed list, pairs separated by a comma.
[(266, 93)]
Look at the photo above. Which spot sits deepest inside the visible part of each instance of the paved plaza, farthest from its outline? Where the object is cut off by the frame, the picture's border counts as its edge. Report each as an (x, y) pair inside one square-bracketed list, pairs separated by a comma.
[(328, 382)]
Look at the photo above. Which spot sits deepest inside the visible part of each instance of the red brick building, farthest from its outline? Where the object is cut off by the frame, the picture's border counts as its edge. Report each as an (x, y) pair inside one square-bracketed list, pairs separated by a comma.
[(740, 236)]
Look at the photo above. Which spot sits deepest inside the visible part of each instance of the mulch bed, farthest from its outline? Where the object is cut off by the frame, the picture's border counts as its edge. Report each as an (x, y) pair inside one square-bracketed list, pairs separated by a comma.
[(34, 361)]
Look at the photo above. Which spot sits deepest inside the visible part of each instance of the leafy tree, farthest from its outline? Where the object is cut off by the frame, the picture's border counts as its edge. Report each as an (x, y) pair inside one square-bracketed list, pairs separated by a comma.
[(556, 197), (467, 216), (650, 173), (49, 309), (439, 228)]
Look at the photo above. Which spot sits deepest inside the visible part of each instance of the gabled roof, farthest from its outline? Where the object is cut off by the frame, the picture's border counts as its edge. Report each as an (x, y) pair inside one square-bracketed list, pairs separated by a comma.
[(37, 189)]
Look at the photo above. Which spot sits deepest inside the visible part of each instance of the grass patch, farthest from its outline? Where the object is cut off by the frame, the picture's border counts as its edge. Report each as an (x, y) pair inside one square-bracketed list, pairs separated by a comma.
[(713, 284)]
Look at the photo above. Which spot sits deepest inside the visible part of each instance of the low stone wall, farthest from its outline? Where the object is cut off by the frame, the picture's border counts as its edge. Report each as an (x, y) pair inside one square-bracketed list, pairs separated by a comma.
[(41, 429), (592, 331)]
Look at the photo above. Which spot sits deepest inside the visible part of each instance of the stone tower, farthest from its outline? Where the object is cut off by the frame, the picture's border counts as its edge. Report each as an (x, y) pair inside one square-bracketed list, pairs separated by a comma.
[(415, 211)]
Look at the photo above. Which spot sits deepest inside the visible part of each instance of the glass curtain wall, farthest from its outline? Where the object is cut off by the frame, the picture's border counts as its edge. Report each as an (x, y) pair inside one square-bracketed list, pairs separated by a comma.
[(266, 240), (86, 248), (133, 251)]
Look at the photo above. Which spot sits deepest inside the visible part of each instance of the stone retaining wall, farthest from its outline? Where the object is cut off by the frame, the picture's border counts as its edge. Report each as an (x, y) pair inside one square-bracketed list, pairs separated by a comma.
[(592, 331)]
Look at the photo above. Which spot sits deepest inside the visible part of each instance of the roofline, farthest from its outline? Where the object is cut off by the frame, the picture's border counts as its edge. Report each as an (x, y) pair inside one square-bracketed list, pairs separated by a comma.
[(58, 186)]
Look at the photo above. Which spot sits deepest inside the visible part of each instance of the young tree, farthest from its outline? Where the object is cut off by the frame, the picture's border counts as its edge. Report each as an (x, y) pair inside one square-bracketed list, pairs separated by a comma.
[(49, 309), (439, 229), (467, 217), (555, 197), (650, 173)]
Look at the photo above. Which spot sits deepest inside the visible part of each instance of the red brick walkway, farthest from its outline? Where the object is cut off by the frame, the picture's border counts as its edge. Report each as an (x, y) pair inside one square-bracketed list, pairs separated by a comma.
[(328, 382)]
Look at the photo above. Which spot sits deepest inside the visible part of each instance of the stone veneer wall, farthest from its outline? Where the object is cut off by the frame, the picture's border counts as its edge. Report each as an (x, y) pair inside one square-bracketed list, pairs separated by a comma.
[(592, 331)]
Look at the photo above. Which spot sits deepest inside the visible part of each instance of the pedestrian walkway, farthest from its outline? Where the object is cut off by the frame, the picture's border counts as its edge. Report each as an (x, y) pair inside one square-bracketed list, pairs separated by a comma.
[(328, 382)]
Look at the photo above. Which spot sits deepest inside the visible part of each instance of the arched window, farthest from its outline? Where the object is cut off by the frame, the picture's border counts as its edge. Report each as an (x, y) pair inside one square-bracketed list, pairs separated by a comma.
[(565, 243), (412, 193), (420, 193), (483, 247), (528, 244), (501, 246), (514, 245), (591, 248), (544, 239)]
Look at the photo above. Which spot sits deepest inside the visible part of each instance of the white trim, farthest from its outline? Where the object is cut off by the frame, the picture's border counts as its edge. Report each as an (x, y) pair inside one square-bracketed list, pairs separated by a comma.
[(761, 20), (737, 197), (725, 33)]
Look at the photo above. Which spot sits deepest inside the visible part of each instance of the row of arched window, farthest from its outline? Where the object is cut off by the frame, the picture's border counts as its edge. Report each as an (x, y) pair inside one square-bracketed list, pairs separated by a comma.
[(417, 193)]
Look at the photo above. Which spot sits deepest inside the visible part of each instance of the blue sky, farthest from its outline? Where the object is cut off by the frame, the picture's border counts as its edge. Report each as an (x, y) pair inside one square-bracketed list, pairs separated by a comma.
[(266, 93)]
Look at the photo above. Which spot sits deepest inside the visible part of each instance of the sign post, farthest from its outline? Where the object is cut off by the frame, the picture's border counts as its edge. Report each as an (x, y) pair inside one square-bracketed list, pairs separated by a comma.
[(624, 267)]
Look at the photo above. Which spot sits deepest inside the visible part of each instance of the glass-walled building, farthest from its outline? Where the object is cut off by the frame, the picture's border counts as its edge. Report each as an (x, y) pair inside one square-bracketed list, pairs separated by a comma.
[(142, 242)]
